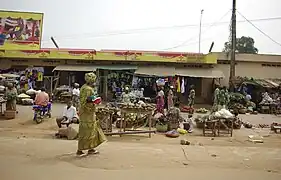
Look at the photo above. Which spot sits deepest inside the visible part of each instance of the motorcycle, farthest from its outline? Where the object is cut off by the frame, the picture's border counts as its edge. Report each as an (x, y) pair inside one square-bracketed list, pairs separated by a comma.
[(41, 112)]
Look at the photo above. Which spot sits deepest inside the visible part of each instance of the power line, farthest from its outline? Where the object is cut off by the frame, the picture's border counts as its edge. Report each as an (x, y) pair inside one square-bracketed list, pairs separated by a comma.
[(259, 30), (183, 43), (135, 31)]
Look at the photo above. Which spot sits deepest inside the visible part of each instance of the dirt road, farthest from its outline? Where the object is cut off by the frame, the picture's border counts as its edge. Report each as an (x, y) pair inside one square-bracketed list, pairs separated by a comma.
[(55, 159), (29, 151)]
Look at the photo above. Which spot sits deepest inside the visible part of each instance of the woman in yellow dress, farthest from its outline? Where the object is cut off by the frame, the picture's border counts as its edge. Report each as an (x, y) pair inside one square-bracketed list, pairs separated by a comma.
[(90, 134)]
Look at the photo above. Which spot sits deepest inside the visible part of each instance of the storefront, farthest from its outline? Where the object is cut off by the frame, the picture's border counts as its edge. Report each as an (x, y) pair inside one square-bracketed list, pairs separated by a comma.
[(114, 68)]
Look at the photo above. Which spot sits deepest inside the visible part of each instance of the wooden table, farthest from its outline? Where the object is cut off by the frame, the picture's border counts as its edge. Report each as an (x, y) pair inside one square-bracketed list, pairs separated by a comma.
[(214, 126), (105, 119), (226, 129), (122, 130), (265, 108), (210, 127)]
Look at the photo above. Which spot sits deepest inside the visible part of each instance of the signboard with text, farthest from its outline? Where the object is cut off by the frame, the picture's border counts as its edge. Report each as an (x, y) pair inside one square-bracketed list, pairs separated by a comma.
[(20, 30)]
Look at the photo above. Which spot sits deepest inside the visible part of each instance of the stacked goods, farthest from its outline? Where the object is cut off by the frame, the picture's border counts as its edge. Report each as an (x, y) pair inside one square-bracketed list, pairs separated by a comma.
[(104, 117), (202, 110), (27, 101), (22, 97), (137, 106), (187, 109)]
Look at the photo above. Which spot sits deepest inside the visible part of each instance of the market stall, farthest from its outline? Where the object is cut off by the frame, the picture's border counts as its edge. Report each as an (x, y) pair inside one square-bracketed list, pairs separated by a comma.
[(218, 123), (143, 118)]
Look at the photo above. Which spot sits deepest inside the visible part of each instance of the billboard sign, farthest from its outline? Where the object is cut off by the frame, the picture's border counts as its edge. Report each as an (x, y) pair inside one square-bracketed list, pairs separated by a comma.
[(130, 56), (20, 30)]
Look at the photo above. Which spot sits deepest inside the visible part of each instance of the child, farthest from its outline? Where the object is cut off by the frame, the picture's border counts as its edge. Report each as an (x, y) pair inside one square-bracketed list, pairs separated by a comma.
[(189, 121)]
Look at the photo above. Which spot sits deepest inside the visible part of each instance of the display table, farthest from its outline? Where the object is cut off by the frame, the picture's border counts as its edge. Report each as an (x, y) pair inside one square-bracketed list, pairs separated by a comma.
[(123, 130), (210, 127), (225, 126), (265, 108), (218, 126), (104, 116)]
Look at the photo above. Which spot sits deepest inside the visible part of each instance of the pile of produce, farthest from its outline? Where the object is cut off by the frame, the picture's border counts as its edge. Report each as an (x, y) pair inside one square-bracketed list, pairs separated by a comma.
[(27, 101), (103, 116), (23, 96), (105, 110), (223, 113), (187, 109), (202, 110), (236, 97), (236, 106), (266, 99), (172, 134), (137, 106)]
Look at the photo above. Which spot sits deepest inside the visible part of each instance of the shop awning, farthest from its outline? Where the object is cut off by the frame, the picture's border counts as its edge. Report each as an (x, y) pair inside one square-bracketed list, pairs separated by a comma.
[(83, 68), (117, 67), (160, 71), (200, 72)]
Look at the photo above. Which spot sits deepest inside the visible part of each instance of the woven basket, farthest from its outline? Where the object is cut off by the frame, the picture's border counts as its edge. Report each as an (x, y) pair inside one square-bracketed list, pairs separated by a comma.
[(9, 114), (161, 127)]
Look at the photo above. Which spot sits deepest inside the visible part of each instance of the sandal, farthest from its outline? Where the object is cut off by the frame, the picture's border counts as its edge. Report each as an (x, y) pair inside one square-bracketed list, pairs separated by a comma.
[(80, 154), (93, 151)]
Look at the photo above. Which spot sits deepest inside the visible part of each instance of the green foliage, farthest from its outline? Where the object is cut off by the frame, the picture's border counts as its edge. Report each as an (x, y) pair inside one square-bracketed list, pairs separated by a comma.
[(243, 45)]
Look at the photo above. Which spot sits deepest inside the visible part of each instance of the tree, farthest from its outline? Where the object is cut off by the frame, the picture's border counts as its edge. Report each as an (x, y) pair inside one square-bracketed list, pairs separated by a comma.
[(243, 45)]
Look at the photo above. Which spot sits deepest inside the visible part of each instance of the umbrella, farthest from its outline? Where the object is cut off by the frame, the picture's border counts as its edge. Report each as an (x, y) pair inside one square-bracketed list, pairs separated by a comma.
[(10, 75)]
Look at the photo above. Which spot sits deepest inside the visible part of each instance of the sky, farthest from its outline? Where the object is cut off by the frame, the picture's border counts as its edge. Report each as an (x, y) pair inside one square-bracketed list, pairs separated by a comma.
[(154, 25)]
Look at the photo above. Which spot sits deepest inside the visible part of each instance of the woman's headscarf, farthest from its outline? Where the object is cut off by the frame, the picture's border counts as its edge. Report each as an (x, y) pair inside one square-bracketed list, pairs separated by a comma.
[(90, 78)]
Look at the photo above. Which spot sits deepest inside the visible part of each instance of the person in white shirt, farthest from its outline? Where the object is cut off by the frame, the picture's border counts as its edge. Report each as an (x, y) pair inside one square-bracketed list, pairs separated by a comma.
[(75, 95), (69, 115)]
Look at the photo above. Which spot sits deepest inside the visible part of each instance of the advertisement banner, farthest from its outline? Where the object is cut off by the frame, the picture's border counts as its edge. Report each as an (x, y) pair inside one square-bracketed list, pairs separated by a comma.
[(112, 56), (28, 54), (20, 30), (73, 54)]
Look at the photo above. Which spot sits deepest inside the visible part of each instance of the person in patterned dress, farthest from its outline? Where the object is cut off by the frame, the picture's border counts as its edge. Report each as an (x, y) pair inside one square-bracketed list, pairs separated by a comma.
[(191, 96), (90, 134)]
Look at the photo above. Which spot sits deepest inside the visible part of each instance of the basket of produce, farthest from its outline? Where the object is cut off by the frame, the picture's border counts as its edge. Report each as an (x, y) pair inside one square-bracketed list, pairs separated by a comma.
[(202, 111), (172, 134), (182, 131), (187, 109), (9, 114), (104, 118), (161, 127), (242, 111), (137, 106)]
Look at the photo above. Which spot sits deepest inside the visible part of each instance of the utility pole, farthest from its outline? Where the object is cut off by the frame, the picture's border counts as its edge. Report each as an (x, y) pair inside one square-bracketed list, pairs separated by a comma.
[(233, 46), (200, 28)]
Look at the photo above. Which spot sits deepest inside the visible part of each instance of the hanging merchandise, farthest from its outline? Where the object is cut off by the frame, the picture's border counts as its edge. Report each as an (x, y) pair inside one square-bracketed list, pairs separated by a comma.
[(160, 82), (178, 84), (182, 85), (40, 76), (135, 82)]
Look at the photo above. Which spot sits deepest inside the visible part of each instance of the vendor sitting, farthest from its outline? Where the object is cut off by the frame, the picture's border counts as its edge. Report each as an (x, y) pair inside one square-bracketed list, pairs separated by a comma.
[(173, 117), (69, 115)]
